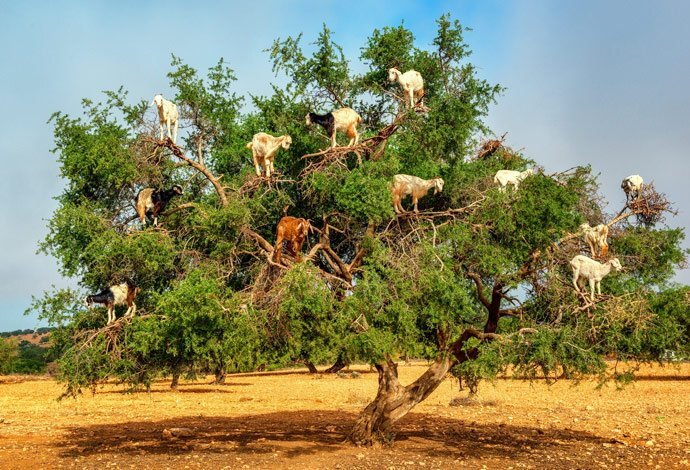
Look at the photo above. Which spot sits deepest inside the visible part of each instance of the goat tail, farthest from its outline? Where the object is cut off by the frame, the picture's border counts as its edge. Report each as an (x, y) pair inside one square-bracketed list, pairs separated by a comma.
[(249, 145)]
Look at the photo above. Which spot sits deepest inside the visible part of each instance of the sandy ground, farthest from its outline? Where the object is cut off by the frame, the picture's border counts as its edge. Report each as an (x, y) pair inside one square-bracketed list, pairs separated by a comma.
[(296, 420)]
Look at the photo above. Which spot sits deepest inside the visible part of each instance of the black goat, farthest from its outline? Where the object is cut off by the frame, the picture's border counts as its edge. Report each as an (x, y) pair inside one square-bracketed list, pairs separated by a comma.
[(327, 121), (151, 202)]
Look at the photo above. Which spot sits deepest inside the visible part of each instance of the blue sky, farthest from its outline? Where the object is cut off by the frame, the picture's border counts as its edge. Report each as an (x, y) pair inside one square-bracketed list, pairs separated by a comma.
[(599, 82)]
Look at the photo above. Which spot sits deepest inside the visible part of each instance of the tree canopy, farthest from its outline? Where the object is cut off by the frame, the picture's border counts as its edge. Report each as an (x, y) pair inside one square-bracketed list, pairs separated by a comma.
[(477, 282)]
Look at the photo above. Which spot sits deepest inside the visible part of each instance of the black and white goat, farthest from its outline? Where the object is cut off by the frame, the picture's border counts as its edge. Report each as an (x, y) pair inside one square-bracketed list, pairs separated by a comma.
[(120, 294), (151, 202), (344, 120)]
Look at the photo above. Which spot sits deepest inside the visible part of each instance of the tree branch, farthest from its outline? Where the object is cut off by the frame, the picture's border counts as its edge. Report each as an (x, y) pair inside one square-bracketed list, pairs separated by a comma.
[(200, 167), (258, 238), (480, 288)]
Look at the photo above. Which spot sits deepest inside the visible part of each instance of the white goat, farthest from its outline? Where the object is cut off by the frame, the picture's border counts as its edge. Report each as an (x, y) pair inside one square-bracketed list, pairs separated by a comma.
[(167, 114), (417, 187), (596, 238), (411, 82), (587, 268), (506, 177), (264, 147), (343, 120), (632, 184)]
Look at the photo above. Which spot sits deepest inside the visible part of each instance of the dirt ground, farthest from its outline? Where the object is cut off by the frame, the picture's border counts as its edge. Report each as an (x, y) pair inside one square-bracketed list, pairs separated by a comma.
[(296, 420)]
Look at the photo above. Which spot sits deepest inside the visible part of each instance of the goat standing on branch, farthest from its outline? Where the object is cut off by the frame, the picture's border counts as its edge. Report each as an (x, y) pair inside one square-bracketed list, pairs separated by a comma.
[(293, 230), (417, 187), (344, 120), (120, 294), (586, 268), (151, 202), (167, 114), (596, 238), (632, 185), (505, 177), (411, 82), (264, 147)]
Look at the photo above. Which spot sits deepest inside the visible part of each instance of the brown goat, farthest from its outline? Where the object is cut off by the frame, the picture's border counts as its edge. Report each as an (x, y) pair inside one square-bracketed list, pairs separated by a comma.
[(294, 230)]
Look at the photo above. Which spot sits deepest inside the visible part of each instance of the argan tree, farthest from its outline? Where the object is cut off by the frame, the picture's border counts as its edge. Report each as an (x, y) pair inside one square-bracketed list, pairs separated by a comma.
[(477, 282)]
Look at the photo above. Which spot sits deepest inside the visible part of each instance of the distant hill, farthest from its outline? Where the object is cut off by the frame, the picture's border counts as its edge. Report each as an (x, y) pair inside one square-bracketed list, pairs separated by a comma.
[(33, 353), (37, 336), (27, 331)]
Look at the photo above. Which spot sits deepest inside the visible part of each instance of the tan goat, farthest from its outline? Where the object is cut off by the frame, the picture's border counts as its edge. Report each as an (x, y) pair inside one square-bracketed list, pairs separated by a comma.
[(264, 147), (411, 82), (293, 230), (417, 187), (596, 238)]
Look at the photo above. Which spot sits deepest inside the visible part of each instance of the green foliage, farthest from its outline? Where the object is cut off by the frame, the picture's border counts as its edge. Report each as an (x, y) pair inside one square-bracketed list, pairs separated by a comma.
[(652, 253), (93, 153), (202, 324), (8, 355), (365, 196), (670, 329), (301, 320), (325, 74), (32, 359)]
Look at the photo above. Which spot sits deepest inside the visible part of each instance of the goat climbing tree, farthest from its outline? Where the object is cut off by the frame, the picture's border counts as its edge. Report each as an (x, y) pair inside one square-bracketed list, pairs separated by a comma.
[(475, 283)]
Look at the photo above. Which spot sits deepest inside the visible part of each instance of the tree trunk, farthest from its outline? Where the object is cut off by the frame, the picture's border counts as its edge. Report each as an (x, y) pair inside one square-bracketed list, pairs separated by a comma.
[(220, 376), (310, 365), (175, 379), (393, 401), (339, 364)]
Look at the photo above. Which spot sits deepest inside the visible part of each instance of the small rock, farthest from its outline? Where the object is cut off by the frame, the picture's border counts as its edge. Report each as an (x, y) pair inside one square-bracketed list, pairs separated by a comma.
[(589, 408), (177, 432), (360, 456), (649, 443)]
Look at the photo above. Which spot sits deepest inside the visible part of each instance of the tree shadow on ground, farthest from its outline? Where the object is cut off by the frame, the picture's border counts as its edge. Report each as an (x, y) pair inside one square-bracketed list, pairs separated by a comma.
[(299, 433), (662, 378), (217, 388)]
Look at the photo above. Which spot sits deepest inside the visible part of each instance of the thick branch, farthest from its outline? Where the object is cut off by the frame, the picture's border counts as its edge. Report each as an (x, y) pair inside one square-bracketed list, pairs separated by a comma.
[(360, 251), (200, 167), (342, 267), (480, 288), (258, 238)]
